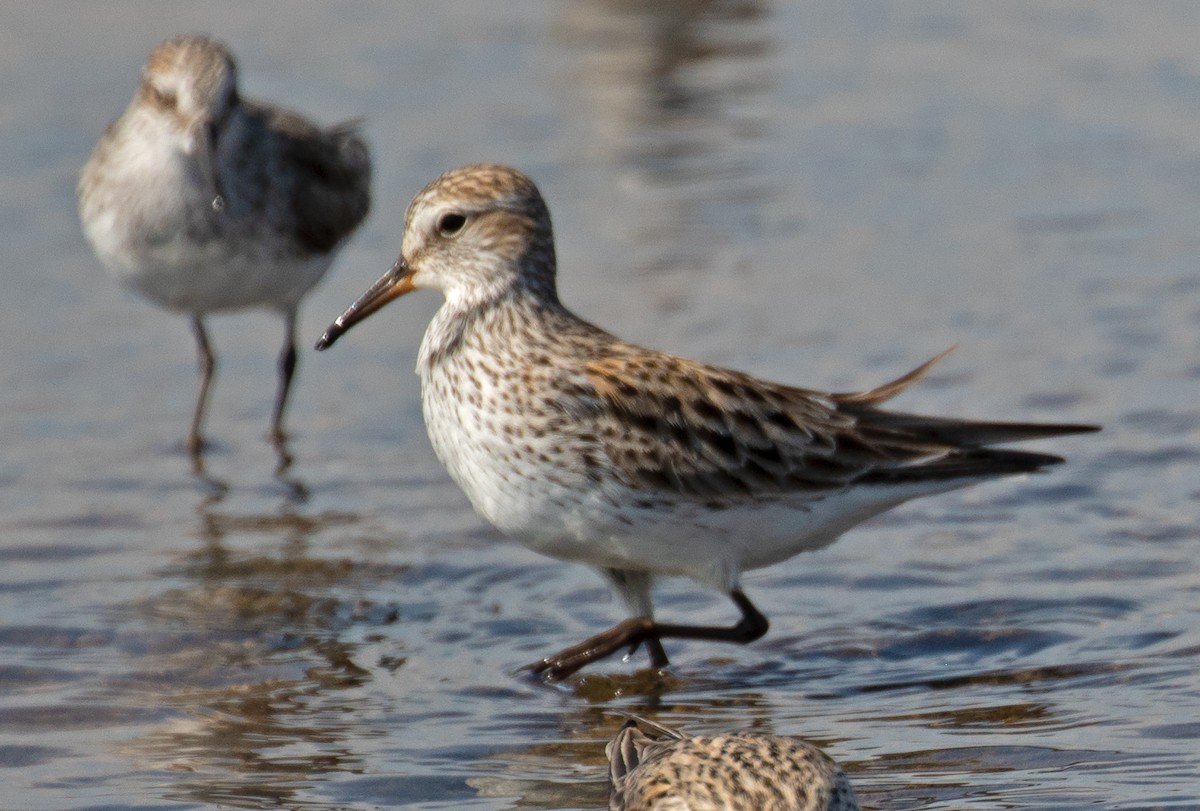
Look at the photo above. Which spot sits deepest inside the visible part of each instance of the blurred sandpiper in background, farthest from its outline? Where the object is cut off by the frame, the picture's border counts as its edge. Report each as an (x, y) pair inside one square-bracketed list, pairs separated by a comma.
[(825, 192), (204, 201)]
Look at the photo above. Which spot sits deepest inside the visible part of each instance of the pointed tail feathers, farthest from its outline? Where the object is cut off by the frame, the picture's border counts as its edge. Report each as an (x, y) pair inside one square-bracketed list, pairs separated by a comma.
[(962, 433), (981, 463)]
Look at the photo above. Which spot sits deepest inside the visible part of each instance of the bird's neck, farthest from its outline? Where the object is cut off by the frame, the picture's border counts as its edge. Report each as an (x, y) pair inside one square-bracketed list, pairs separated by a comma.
[(517, 315)]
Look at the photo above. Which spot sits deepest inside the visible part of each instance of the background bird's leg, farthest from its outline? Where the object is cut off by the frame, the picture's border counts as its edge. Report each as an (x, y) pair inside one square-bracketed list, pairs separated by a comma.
[(208, 367), (287, 368), (638, 630)]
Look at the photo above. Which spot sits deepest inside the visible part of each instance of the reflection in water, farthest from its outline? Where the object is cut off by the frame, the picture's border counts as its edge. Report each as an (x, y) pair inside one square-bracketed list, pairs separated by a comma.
[(674, 97), (297, 490), (248, 744), (260, 677), (217, 488)]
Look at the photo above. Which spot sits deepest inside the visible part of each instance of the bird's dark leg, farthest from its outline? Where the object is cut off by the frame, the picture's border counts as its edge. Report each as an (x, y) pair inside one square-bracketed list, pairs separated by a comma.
[(287, 369), (658, 656), (643, 630), (208, 368)]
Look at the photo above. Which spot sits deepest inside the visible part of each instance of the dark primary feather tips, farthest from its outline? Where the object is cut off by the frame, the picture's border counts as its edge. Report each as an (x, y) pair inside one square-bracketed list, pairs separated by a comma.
[(950, 430)]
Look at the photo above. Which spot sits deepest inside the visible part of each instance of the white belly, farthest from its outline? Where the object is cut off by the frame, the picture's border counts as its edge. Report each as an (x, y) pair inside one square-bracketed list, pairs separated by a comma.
[(526, 479), (153, 225)]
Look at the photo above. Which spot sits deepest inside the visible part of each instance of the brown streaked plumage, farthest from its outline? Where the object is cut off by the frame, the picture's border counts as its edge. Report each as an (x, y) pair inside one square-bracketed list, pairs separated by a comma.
[(655, 768), (205, 201), (641, 463)]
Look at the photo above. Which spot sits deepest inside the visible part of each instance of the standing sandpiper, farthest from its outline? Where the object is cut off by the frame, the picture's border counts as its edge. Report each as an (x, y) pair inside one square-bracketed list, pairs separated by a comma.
[(588, 448), (204, 201), (655, 768)]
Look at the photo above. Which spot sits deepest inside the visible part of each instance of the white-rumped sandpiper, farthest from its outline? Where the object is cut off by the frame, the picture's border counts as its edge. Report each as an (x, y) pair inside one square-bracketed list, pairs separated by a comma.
[(640, 463)]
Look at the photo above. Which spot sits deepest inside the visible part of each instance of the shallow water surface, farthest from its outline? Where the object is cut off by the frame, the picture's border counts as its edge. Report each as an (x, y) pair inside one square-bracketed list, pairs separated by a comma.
[(826, 193)]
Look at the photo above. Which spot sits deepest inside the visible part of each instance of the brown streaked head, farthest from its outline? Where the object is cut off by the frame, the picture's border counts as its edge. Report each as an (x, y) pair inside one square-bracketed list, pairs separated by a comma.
[(191, 80), (476, 233)]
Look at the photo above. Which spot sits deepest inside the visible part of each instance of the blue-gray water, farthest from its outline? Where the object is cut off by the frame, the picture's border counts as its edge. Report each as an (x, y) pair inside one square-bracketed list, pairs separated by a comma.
[(825, 193)]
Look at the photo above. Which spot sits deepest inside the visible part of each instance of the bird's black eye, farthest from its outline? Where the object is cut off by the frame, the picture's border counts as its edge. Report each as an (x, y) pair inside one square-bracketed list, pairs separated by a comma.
[(163, 99), (450, 224)]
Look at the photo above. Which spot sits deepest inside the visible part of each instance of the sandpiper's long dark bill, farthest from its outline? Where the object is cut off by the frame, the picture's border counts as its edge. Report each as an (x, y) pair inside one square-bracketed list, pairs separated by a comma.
[(588, 448), (391, 285)]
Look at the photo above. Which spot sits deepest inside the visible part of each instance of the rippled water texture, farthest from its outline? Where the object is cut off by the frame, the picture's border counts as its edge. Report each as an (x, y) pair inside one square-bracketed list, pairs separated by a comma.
[(827, 193)]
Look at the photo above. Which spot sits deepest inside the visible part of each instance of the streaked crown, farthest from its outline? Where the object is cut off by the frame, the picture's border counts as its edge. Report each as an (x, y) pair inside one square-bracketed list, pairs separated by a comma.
[(478, 232), (191, 79)]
